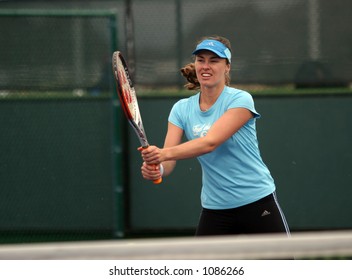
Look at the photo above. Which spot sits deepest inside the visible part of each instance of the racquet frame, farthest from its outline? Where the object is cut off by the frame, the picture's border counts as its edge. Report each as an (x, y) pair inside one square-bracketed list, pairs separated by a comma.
[(128, 99)]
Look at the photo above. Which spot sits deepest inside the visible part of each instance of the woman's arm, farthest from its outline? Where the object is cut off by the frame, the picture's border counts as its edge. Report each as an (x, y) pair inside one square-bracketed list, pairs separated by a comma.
[(227, 125), (173, 138)]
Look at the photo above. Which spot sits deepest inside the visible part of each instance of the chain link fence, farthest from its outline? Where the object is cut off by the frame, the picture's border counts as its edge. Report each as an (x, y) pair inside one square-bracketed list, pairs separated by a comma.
[(275, 42)]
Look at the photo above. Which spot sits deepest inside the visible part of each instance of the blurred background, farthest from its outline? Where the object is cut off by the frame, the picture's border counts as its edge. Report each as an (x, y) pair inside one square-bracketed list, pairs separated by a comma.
[(69, 168)]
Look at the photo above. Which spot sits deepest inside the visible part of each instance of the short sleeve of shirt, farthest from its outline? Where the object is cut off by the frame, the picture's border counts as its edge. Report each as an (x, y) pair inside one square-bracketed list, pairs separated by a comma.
[(243, 100), (178, 112)]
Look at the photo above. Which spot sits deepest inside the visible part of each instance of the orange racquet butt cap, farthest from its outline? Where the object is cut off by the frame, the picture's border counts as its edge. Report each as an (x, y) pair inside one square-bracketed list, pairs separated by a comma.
[(158, 181)]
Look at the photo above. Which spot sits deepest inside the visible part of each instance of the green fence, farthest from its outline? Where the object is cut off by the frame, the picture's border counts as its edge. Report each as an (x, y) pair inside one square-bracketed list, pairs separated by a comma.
[(61, 144), (57, 49), (298, 42), (56, 166)]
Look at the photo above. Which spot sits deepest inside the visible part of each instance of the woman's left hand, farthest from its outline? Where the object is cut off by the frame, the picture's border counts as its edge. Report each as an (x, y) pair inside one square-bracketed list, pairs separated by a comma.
[(151, 155)]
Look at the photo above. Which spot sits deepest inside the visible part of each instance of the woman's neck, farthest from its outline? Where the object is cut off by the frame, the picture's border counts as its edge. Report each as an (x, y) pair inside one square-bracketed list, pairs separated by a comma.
[(208, 97)]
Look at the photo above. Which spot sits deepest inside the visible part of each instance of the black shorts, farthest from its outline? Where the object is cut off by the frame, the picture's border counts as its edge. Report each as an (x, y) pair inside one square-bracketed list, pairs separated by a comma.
[(262, 216)]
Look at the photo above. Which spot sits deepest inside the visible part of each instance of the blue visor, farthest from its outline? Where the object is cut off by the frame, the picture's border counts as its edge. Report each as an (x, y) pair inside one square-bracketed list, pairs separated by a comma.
[(214, 46)]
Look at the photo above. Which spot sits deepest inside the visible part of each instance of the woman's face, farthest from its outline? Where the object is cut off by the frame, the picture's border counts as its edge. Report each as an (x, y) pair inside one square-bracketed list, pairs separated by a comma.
[(211, 69)]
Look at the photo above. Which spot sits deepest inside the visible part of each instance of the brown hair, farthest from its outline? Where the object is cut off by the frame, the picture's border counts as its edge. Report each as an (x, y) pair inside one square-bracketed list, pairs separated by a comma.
[(189, 71)]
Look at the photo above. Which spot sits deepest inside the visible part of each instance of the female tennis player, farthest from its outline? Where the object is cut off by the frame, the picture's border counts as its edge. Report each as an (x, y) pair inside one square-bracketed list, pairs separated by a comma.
[(238, 191)]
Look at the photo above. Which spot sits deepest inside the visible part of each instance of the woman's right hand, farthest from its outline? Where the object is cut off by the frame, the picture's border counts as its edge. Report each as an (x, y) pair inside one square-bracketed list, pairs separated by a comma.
[(150, 172)]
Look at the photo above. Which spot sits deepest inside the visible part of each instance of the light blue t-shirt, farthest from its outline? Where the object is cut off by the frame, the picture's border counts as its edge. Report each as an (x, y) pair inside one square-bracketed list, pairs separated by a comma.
[(234, 174)]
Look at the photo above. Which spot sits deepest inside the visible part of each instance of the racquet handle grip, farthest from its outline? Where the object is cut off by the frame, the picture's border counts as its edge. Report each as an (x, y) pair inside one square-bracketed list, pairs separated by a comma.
[(159, 180)]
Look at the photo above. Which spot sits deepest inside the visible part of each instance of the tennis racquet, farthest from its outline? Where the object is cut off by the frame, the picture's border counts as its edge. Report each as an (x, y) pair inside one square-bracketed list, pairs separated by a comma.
[(128, 99)]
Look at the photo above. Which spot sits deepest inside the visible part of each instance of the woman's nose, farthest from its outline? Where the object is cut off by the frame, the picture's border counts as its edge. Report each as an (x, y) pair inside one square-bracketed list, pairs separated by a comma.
[(206, 65)]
